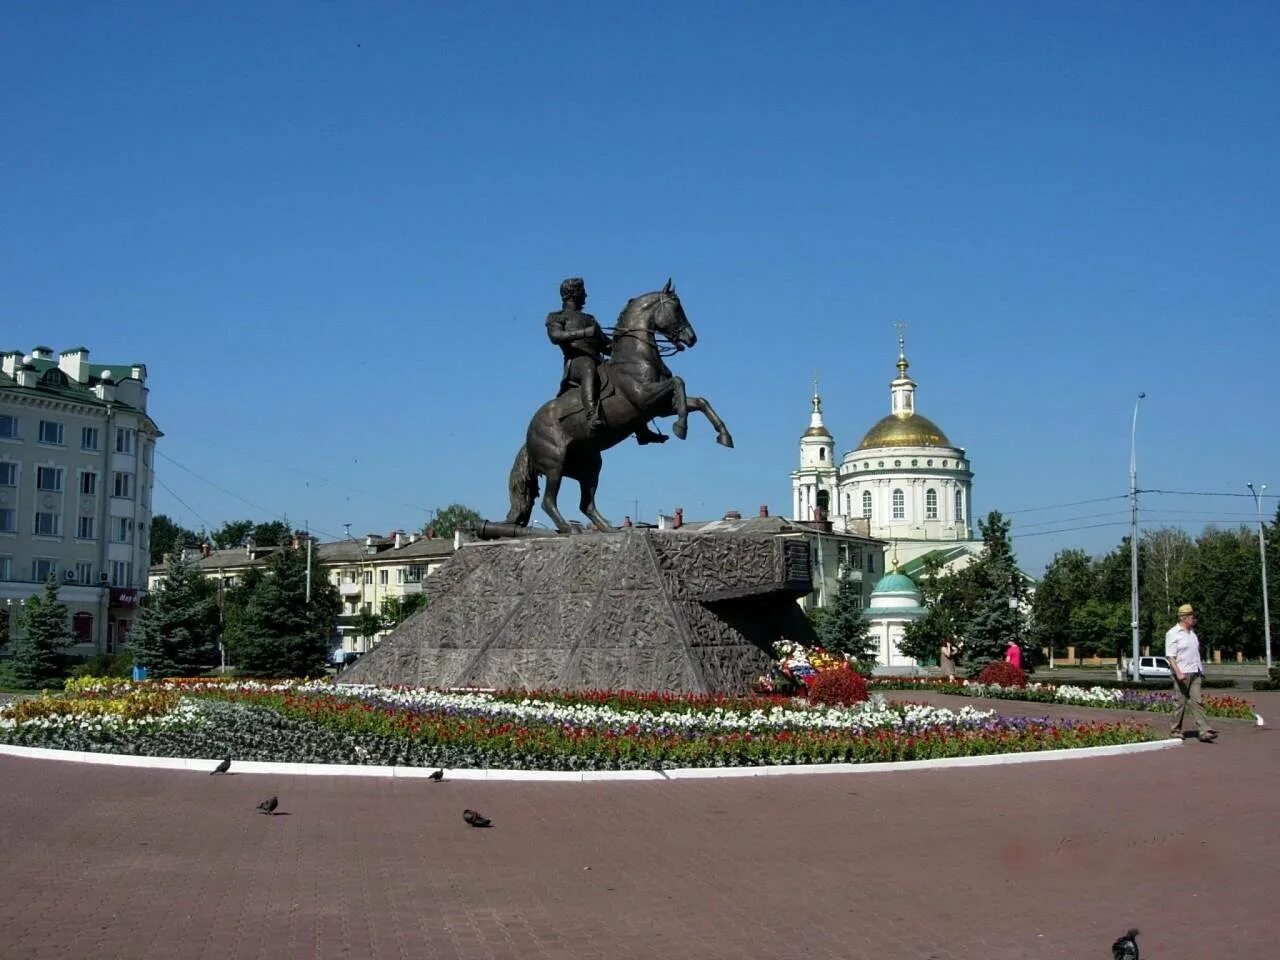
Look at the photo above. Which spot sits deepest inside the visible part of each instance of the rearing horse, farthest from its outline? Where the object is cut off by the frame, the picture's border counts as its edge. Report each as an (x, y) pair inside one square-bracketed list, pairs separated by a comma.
[(635, 386)]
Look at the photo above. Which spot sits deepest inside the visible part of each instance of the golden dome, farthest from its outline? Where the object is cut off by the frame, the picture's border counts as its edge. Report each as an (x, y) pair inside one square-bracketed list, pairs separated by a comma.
[(818, 431), (911, 430)]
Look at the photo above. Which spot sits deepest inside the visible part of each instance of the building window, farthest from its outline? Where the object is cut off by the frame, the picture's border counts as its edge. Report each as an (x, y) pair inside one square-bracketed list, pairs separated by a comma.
[(384, 576), (880, 464), (871, 562), (121, 573), (82, 626), (6, 572), (49, 478), (368, 577), (48, 525), (42, 568), (122, 485), (8, 474), (8, 427), (822, 453), (88, 438), (121, 530), (84, 572), (88, 484), (928, 463), (899, 505), (848, 504), (866, 504), (824, 502), (8, 520), (124, 439), (413, 573), (897, 463), (865, 465), (84, 528), (959, 505), (931, 504), (51, 432)]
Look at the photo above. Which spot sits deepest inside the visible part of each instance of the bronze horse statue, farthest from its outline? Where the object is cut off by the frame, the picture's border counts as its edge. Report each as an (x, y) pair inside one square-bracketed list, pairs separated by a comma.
[(635, 386)]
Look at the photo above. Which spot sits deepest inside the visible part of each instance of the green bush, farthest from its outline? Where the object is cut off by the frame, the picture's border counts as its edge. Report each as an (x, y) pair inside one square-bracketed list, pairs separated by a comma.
[(105, 665)]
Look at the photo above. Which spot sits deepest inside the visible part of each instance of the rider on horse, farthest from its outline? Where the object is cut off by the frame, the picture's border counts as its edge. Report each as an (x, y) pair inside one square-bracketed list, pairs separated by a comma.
[(582, 342)]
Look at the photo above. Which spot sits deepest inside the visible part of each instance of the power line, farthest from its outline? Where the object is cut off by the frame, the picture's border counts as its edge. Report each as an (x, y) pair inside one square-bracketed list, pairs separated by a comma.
[(1087, 526), (1204, 493), (1087, 516), (236, 496), (194, 513), (1073, 503)]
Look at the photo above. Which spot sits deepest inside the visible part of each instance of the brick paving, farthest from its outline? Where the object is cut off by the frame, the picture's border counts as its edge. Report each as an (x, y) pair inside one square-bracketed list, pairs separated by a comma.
[(1049, 860)]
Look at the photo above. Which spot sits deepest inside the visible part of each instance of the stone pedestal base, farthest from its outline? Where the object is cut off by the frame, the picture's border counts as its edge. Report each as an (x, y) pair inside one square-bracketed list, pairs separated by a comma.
[(636, 609)]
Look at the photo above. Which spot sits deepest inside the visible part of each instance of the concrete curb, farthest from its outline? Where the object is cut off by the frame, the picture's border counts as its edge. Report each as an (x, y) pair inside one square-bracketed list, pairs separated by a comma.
[(577, 776)]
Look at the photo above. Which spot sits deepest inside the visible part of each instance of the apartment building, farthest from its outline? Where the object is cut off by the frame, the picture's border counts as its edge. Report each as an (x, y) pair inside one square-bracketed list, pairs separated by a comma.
[(366, 572), (77, 454)]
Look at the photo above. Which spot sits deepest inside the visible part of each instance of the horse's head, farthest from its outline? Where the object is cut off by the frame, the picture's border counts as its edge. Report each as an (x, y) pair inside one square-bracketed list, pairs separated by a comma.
[(668, 318)]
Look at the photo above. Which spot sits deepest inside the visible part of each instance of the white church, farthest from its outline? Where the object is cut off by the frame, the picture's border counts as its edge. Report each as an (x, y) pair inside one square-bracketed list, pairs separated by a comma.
[(905, 483)]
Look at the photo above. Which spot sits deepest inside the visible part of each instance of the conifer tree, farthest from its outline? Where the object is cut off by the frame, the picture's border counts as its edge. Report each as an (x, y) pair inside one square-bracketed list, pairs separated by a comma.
[(844, 627), (995, 580), (177, 631), (43, 635), (270, 629)]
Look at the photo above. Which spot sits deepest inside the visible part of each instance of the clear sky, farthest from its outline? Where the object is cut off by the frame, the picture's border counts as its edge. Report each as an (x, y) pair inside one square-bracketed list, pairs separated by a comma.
[(332, 231)]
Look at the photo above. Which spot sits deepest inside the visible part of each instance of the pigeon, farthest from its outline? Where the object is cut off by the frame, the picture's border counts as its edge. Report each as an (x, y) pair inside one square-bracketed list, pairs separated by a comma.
[(269, 806), (223, 767), (475, 818), (437, 776), (1126, 948)]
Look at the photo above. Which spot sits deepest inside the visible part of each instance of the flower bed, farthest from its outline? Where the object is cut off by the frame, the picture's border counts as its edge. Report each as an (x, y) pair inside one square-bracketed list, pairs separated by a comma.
[(1070, 695), (322, 723)]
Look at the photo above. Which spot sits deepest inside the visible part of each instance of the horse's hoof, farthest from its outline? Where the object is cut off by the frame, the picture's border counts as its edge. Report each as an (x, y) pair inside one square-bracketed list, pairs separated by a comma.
[(724, 439), (681, 430)]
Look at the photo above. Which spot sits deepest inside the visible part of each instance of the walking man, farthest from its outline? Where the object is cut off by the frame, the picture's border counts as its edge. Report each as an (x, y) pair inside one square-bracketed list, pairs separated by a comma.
[(1182, 647)]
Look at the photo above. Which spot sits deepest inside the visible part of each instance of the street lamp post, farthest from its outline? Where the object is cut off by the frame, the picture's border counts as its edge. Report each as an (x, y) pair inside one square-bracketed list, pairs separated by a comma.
[(1262, 552), (1133, 534)]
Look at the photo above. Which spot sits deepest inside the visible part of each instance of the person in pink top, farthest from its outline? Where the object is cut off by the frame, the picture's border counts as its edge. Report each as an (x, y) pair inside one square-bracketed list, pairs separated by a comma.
[(1013, 654)]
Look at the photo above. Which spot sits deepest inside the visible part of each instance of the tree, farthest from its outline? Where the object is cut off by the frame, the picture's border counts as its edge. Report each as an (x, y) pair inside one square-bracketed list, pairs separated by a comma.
[(43, 637), (1066, 585), (367, 624), (233, 533), (1164, 553), (845, 629), (396, 610), (270, 629), (168, 537), (993, 621), (177, 631), (451, 518), (1226, 577)]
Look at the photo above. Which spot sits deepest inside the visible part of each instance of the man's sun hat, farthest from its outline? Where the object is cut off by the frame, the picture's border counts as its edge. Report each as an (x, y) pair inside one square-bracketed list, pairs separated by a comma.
[(1186, 610)]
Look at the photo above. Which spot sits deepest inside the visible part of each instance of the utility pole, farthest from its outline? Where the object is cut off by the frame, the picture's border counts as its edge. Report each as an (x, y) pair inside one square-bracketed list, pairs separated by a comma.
[(1133, 536), (1262, 551)]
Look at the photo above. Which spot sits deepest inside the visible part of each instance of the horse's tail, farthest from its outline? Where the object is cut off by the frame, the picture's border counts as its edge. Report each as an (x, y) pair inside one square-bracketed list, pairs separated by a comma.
[(522, 484)]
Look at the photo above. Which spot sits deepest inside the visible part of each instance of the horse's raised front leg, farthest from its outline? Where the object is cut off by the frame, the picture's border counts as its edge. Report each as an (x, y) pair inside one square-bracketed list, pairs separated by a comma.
[(549, 502), (588, 480), (723, 437)]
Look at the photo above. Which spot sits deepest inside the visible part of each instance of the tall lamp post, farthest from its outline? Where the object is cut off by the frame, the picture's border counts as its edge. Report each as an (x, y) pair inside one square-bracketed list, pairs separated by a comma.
[(1262, 551), (1133, 534)]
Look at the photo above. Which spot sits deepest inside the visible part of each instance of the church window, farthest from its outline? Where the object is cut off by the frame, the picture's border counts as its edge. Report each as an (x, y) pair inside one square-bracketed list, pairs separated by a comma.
[(824, 500), (899, 505), (959, 505), (866, 504), (931, 504), (822, 453), (897, 463), (928, 463), (944, 463), (880, 463), (866, 465), (848, 504)]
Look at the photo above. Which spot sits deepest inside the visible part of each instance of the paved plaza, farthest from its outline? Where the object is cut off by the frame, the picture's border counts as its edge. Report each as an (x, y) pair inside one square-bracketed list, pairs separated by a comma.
[(1046, 860)]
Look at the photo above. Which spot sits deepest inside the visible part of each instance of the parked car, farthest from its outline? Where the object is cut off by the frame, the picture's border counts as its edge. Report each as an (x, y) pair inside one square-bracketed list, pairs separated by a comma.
[(1151, 668)]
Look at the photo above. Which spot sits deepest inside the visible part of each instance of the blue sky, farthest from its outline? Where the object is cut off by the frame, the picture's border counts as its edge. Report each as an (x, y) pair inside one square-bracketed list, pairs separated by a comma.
[(332, 232)]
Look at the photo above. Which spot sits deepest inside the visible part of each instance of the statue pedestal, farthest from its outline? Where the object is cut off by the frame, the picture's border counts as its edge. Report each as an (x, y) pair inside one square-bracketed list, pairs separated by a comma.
[(636, 610)]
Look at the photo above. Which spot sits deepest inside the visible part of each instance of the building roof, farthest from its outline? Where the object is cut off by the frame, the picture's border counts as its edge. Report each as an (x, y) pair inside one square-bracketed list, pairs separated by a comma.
[(904, 430), (53, 381), (896, 583)]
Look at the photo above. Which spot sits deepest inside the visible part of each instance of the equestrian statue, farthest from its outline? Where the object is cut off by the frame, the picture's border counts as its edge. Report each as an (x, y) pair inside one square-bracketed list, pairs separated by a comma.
[(604, 401)]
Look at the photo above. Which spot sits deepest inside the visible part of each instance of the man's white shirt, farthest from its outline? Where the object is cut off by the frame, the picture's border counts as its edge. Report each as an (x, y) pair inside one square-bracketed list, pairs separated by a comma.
[(1182, 646)]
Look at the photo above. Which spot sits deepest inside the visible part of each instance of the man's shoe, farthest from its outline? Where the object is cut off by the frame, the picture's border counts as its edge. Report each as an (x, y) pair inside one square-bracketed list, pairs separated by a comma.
[(645, 436), (1209, 736)]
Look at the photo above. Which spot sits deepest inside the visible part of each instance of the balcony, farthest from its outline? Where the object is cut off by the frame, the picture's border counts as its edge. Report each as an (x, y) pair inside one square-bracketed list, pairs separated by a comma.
[(350, 589)]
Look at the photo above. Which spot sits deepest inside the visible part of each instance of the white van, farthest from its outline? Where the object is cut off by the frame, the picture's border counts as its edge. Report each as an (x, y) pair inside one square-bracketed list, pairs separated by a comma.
[(1151, 668)]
